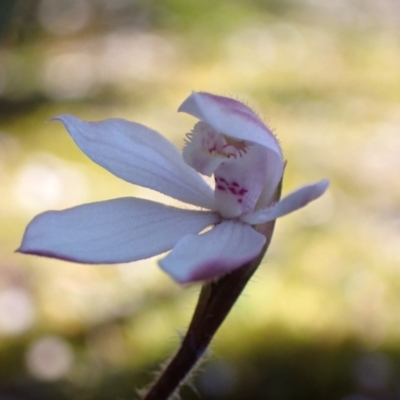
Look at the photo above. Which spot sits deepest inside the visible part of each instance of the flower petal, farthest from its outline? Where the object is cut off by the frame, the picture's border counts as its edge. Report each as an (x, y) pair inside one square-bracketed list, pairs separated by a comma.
[(231, 118), (240, 181), (113, 231), (141, 156), (298, 199), (219, 251)]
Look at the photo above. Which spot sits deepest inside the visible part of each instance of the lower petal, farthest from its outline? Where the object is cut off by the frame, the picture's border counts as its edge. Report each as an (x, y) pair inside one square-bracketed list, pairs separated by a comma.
[(217, 252), (113, 231), (298, 199)]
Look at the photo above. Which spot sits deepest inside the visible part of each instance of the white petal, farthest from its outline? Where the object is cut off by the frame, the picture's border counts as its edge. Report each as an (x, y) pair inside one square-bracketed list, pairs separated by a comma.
[(298, 199), (231, 118), (113, 231), (141, 156), (224, 248)]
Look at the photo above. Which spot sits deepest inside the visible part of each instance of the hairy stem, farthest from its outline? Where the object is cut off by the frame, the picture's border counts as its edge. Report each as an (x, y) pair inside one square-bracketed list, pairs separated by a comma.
[(215, 301)]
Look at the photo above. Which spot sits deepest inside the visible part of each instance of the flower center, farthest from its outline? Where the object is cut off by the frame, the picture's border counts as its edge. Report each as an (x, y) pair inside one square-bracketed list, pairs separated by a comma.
[(239, 146), (238, 166)]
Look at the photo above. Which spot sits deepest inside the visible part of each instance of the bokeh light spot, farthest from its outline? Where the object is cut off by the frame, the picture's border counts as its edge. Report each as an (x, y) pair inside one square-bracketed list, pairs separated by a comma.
[(46, 182), (68, 75), (16, 311), (49, 358)]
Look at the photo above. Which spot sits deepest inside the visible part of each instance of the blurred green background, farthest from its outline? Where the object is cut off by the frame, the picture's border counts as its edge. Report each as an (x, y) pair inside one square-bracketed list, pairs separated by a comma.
[(321, 317)]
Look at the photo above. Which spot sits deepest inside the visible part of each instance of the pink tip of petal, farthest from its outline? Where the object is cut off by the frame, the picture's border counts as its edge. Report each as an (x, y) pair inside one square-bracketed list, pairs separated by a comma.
[(230, 117), (227, 104), (210, 255), (206, 272)]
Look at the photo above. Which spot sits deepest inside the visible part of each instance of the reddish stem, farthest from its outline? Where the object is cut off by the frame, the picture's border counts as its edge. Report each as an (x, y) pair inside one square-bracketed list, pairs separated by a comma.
[(215, 301)]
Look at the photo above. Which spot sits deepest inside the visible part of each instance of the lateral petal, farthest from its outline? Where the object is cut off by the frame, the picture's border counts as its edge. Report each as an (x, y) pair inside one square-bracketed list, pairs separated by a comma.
[(140, 156), (231, 118), (112, 231), (219, 251), (297, 199)]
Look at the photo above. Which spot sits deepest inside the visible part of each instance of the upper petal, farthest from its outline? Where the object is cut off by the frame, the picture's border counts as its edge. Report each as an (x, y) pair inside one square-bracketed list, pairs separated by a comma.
[(113, 231), (231, 118), (297, 199), (141, 156), (219, 251)]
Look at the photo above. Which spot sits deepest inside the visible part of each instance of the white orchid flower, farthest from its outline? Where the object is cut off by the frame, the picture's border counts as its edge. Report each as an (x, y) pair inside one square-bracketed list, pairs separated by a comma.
[(230, 142)]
